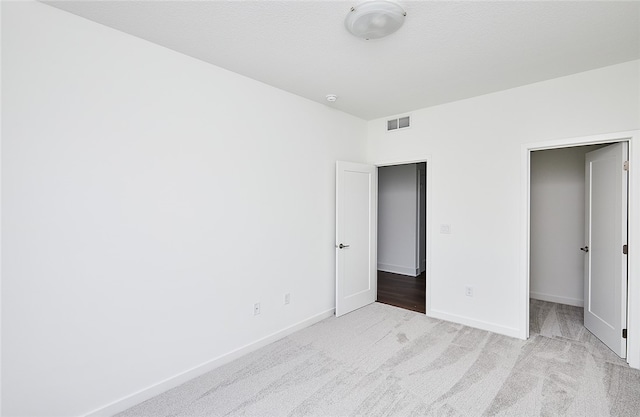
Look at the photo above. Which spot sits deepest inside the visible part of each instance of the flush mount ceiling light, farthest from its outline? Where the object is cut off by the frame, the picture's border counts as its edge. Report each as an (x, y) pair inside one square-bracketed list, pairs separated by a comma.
[(331, 98), (374, 19)]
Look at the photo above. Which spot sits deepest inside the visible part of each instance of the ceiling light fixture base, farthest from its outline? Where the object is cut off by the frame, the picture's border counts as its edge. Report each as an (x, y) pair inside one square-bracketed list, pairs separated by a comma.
[(374, 19)]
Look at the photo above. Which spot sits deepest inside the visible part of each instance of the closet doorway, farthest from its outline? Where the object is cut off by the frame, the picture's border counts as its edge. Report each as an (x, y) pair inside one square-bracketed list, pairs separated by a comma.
[(578, 267)]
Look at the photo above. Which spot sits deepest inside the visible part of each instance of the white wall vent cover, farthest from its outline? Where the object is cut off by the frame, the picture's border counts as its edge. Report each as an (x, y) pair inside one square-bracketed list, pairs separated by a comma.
[(399, 123)]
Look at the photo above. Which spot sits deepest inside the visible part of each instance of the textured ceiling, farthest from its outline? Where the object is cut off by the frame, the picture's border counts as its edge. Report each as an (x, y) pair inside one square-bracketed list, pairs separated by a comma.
[(446, 51)]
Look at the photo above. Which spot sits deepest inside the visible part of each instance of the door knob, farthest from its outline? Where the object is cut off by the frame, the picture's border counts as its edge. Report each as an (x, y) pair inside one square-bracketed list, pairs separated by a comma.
[(585, 249), (341, 246)]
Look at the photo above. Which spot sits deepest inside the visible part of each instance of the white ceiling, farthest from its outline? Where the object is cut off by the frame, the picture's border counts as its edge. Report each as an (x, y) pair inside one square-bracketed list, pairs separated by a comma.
[(446, 50)]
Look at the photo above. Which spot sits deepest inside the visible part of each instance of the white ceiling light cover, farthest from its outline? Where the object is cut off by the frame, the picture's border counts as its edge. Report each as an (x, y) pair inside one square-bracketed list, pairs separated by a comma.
[(374, 19)]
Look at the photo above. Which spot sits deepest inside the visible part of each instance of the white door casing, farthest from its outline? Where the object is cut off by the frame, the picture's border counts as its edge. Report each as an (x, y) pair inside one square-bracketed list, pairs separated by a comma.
[(605, 289), (356, 222)]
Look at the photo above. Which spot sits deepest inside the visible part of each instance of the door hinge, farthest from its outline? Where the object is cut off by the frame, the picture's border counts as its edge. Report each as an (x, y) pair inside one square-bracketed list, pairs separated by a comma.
[(625, 166), (625, 249), (624, 333)]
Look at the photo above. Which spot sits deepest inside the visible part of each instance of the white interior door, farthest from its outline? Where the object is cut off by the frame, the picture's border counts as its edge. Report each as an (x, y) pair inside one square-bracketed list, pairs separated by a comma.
[(605, 289), (356, 221)]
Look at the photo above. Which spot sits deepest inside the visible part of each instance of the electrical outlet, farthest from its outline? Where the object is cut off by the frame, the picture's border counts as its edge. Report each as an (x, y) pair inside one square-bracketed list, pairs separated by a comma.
[(287, 298), (256, 309), (445, 229), (468, 291)]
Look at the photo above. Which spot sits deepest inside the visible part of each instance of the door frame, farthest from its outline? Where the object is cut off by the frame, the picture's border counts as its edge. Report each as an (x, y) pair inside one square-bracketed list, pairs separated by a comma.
[(633, 256), (428, 161)]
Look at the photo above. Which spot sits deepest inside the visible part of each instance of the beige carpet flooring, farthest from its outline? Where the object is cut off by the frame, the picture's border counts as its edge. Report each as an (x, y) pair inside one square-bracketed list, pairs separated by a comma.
[(385, 361)]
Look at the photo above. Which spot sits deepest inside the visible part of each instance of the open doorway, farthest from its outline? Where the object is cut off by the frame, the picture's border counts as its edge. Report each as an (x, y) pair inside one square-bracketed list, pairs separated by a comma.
[(401, 247), (573, 207)]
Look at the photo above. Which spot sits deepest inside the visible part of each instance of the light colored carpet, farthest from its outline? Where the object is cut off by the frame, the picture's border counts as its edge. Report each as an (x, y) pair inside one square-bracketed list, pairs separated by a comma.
[(385, 361)]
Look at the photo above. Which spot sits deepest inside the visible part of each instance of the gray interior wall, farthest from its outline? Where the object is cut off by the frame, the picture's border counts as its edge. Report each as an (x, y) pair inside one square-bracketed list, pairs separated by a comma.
[(557, 224), (397, 219), (422, 217)]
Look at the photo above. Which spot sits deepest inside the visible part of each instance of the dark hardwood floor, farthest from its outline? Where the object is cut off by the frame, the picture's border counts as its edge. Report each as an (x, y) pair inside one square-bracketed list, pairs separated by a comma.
[(402, 291)]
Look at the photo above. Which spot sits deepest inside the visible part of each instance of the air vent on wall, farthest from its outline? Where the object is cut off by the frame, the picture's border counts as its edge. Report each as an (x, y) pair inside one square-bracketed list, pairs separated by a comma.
[(399, 123)]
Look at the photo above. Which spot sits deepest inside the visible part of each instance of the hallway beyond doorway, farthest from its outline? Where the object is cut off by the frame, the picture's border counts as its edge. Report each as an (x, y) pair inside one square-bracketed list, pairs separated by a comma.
[(402, 291)]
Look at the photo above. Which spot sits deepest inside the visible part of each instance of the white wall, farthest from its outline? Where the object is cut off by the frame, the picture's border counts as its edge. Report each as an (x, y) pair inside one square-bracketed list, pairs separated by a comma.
[(397, 219), (149, 200), (557, 225), (474, 147)]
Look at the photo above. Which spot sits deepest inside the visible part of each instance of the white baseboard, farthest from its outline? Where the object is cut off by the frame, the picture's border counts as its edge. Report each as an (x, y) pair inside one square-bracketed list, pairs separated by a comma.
[(397, 269), (172, 382), (478, 324), (556, 299)]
